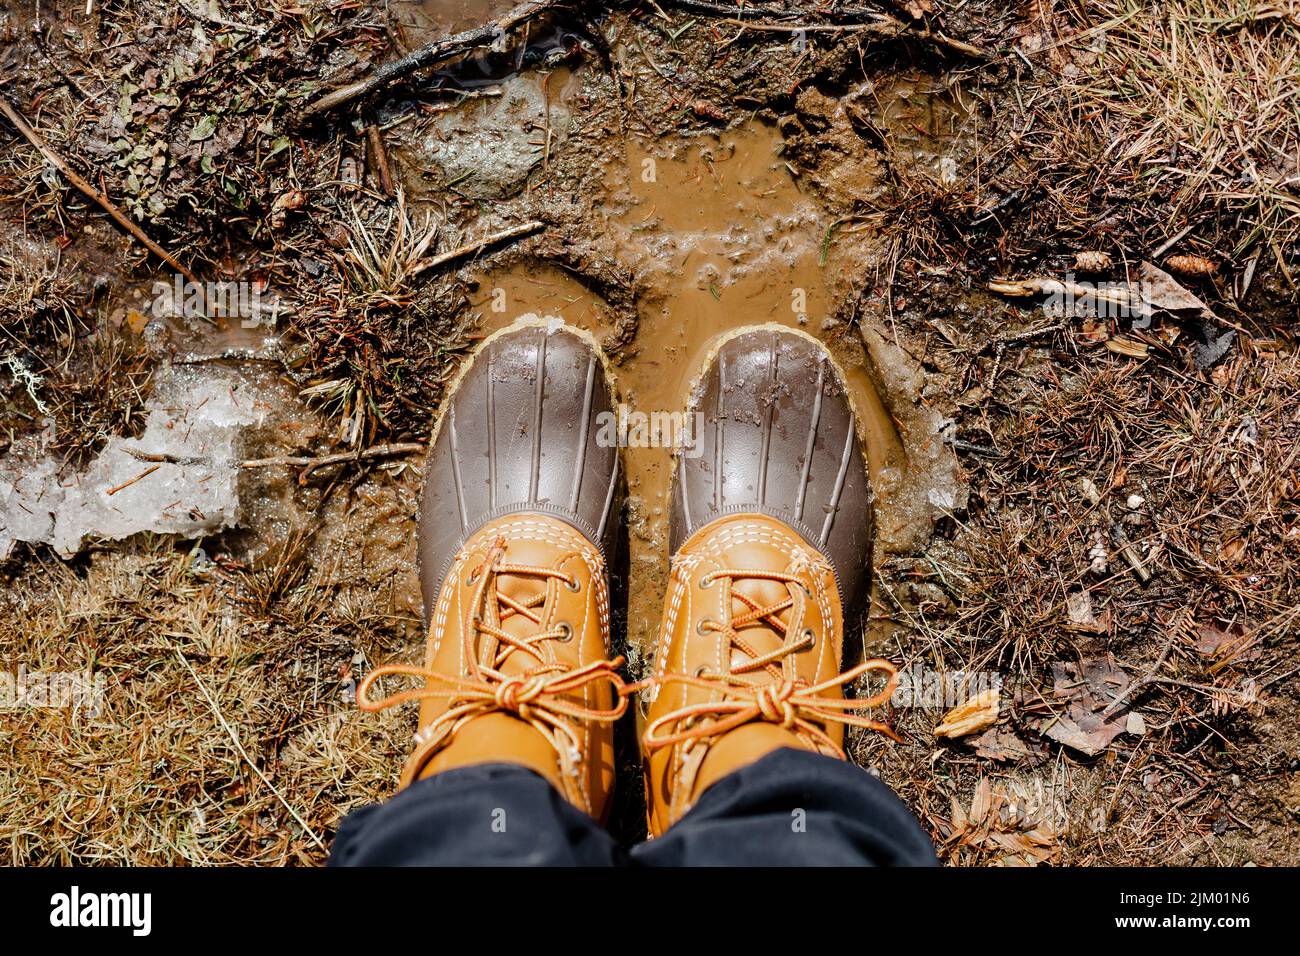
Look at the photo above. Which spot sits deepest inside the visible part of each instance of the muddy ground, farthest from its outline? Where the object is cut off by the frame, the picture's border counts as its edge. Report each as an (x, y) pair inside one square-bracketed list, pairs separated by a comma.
[(1093, 516)]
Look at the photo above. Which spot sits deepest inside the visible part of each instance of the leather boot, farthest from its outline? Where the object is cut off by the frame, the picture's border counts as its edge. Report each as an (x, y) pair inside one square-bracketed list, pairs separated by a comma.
[(517, 521), (770, 534)]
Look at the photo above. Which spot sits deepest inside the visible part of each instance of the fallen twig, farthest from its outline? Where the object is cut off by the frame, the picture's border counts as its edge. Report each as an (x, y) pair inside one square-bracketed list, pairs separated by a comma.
[(127, 484), (1002, 343), (310, 465), (90, 191), (429, 55), (1129, 553), (1148, 678), (376, 137), (442, 258)]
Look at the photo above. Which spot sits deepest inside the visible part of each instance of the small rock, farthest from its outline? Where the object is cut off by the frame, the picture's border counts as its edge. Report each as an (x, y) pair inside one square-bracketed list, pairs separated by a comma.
[(1090, 490)]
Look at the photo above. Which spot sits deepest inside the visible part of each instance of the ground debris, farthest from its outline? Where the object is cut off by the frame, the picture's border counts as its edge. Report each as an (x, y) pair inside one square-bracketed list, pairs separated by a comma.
[(1235, 643), (1080, 616), (1093, 261), (1154, 293), (973, 715), (1003, 745), (998, 825), (1086, 689)]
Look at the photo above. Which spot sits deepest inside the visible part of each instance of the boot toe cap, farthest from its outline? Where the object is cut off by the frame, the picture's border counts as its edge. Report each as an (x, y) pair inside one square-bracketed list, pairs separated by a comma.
[(779, 437)]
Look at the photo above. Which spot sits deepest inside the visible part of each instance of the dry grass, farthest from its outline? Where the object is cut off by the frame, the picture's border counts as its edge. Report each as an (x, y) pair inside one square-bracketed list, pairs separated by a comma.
[(1196, 99), (379, 340), (156, 777), (1199, 472)]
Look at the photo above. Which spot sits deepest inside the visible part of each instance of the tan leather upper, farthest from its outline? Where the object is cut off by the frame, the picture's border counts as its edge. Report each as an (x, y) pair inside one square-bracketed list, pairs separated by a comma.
[(520, 635), (752, 632)]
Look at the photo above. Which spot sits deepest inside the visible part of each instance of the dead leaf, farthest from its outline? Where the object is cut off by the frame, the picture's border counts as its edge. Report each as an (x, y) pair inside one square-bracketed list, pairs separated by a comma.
[(205, 127), (1126, 345), (1086, 691), (973, 715), (1078, 608), (1004, 745), (1236, 643), (1232, 550), (1095, 330), (1161, 291)]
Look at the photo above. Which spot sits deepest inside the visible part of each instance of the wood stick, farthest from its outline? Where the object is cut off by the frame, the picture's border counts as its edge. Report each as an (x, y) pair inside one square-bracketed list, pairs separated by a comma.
[(90, 191), (442, 258), (310, 465), (428, 55), (140, 477), (376, 137)]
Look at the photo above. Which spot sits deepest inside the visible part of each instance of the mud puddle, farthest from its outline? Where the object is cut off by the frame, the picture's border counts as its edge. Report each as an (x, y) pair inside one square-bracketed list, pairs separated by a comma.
[(720, 235)]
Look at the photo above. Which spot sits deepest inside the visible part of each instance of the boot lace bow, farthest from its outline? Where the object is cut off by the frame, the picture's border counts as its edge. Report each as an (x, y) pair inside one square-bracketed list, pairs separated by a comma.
[(544, 695), (762, 688)]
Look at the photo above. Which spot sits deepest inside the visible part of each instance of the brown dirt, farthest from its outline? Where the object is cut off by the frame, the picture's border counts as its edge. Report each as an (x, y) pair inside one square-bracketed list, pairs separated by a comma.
[(862, 188)]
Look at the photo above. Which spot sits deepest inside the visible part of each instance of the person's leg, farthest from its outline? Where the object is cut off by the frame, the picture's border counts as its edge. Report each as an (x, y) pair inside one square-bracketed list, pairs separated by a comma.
[(771, 557), (518, 517), (793, 808), (483, 815)]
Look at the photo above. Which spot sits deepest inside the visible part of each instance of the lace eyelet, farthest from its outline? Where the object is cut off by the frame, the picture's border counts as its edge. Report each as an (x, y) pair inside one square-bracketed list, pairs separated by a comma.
[(566, 632), (706, 582), (573, 584), (809, 636), (701, 629), (701, 670)]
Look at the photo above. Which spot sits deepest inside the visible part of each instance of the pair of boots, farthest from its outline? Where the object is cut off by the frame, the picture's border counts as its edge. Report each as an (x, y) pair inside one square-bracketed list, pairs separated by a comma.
[(770, 539)]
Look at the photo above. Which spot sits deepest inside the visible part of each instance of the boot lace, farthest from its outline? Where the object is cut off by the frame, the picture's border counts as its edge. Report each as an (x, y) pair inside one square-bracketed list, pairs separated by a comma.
[(762, 688), (542, 694)]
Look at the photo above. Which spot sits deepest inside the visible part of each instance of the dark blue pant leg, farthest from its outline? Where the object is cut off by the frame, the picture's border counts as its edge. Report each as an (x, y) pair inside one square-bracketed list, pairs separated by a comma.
[(487, 815), (790, 808), (793, 808)]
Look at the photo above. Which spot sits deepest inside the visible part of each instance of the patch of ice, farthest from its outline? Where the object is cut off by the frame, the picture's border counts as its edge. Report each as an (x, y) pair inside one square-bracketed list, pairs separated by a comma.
[(180, 476)]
